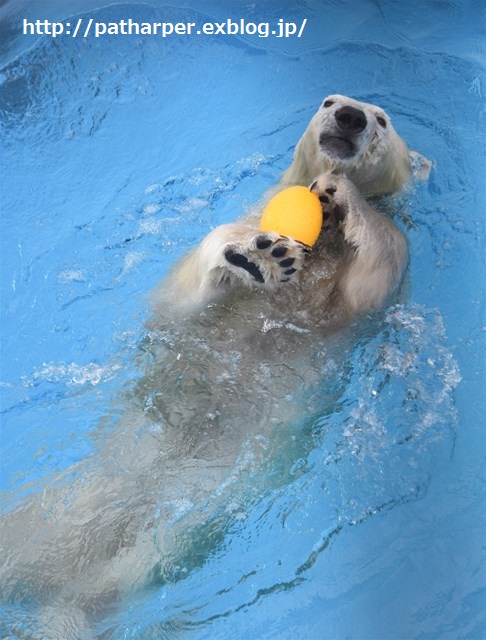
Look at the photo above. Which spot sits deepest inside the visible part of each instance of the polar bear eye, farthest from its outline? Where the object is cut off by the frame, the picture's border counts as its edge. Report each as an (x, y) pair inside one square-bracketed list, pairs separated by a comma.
[(381, 121), (328, 103)]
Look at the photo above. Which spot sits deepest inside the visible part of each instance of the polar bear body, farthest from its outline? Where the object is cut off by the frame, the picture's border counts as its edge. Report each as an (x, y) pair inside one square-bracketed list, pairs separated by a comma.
[(229, 364)]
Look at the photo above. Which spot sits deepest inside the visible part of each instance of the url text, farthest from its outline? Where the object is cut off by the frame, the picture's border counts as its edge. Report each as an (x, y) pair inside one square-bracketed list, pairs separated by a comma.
[(85, 27)]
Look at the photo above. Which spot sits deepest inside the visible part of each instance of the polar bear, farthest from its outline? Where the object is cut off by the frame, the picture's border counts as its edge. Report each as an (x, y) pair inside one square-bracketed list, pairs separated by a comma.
[(349, 150), (233, 359)]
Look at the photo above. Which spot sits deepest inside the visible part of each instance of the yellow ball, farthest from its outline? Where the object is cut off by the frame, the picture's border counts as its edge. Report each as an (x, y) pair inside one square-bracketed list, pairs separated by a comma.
[(295, 212)]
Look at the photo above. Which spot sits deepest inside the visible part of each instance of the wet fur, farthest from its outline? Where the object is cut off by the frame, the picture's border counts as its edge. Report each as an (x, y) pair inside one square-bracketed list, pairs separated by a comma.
[(230, 358)]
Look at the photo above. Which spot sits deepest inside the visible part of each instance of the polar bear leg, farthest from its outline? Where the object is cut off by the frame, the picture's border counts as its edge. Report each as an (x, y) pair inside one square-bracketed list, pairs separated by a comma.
[(377, 249)]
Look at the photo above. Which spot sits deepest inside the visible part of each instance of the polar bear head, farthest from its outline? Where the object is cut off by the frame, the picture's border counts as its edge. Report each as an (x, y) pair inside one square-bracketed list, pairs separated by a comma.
[(355, 138)]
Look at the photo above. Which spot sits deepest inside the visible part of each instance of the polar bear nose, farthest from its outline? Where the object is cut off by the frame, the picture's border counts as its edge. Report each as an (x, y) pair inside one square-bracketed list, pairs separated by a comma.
[(350, 120)]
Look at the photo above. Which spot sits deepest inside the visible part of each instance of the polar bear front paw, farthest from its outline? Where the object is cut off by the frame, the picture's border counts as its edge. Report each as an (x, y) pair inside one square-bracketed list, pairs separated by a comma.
[(267, 259), (328, 189)]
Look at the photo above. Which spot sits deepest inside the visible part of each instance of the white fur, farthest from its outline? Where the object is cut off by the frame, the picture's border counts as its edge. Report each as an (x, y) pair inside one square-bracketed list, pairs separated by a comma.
[(381, 163), (353, 267), (224, 356), (378, 248)]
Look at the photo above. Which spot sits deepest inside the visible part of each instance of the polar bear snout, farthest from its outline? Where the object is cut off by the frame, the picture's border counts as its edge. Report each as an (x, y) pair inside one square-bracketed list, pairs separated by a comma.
[(340, 132), (350, 120), (337, 145)]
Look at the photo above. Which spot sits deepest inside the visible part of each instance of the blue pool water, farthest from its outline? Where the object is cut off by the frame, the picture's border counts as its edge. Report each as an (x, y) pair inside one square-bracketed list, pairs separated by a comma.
[(119, 153)]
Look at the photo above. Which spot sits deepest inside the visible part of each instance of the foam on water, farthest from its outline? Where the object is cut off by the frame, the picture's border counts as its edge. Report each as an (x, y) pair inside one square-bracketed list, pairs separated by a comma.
[(73, 374)]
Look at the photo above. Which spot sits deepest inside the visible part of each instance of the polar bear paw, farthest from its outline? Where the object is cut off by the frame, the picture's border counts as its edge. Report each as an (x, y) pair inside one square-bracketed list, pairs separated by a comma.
[(330, 190), (268, 259), (243, 253)]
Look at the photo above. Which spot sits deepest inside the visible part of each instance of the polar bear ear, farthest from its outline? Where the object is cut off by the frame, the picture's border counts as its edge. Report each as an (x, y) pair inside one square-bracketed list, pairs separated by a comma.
[(420, 166)]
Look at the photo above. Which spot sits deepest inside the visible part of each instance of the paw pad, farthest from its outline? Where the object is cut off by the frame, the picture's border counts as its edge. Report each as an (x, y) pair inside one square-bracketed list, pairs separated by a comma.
[(262, 242), (261, 262), (241, 261), (279, 251)]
